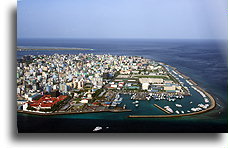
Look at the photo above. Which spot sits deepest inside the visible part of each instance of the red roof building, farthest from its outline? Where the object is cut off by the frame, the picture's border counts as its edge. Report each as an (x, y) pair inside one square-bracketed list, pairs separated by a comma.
[(46, 102)]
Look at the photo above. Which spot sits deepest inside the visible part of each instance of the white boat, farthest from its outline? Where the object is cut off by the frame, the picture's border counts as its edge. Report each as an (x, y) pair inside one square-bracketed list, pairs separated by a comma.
[(136, 101), (124, 107), (172, 100), (178, 105), (133, 97), (199, 109), (113, 104), (177, 112), (136, 105), (182, 112), (117, 96), (193, 109), (168, 109), (201, 105), (97, 128), (196, 109), (206, 100)]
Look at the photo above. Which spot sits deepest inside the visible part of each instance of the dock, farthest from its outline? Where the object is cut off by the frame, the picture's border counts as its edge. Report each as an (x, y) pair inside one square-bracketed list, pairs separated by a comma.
[(164, 110)]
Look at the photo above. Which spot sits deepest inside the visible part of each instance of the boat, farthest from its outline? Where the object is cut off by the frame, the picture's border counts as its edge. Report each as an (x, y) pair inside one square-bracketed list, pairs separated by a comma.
[(206, 100), (113, 104), (117, 96), (148, 98), (135, 102), (118, 102), (201, 105), (120, 99), (177, 112), (97, 128), (178, 105), (196, 109), (182, 112), (168, 109), (133, 97), (136, 105), (124, 107)]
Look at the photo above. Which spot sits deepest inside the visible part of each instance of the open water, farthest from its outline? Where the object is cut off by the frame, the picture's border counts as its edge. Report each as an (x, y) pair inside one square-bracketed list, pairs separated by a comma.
[(204, 61)]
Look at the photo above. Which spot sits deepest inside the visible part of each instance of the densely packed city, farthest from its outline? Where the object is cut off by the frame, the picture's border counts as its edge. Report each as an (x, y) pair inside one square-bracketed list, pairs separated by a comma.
[(88, 82)]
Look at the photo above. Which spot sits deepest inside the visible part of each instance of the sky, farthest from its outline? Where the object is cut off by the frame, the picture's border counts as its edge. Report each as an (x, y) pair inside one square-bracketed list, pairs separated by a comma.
[(150, 19)]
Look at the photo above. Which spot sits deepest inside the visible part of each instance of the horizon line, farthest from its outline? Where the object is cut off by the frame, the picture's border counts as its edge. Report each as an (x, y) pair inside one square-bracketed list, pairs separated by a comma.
[(124, 38)]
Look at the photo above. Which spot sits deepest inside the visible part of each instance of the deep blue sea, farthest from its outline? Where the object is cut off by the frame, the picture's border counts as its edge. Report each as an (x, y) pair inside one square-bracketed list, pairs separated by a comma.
[(205, 61)]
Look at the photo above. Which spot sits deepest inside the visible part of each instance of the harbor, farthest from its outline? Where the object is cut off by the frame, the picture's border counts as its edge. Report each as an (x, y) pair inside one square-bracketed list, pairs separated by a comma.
[(201, 107)]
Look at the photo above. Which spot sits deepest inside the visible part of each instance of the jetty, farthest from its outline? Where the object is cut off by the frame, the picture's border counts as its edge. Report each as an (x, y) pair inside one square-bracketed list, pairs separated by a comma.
[(164, 110)]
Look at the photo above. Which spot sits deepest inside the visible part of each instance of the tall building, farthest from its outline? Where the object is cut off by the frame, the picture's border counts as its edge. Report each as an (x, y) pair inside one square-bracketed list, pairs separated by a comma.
[(80, 84), (48, 88)]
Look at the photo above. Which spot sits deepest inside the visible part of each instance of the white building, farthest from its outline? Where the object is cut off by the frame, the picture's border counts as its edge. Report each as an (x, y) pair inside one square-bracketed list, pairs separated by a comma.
[(151, 80), (25, 105), (169, 87), (84, 101), (145, 86)]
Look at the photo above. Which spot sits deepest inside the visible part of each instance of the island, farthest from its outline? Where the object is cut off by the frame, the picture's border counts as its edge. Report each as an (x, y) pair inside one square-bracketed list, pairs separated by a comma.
[(87, 83), (21, 48)]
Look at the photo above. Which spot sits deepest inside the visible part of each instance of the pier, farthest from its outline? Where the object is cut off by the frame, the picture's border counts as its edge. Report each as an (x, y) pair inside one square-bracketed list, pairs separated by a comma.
[(164, 110)]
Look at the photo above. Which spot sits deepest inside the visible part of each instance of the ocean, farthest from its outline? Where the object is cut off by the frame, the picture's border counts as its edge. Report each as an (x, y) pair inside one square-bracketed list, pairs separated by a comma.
[(204, 61)]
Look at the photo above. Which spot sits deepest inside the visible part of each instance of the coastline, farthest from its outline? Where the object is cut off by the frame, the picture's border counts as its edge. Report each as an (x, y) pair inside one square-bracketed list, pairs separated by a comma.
[(68, 113)]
